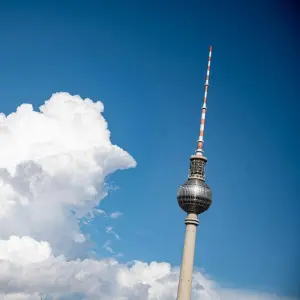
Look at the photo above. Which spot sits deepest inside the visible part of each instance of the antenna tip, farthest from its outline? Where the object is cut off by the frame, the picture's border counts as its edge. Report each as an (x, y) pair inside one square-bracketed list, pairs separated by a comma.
[(210, 48)]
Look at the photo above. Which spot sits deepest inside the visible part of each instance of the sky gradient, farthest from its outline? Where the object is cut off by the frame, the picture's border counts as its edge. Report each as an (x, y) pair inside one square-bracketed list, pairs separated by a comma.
[(146, 61)]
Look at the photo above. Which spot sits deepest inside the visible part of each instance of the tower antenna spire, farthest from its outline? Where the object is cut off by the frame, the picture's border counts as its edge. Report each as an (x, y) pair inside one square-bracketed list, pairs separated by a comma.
[(199, 150)]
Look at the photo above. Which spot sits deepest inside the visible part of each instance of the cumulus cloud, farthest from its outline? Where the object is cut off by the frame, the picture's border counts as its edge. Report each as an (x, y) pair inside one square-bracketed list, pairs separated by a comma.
[(108, 279), (24, 250), (53, 165)]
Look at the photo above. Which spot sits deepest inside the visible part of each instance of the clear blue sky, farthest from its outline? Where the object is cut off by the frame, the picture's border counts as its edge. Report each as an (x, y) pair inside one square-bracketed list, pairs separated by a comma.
[(146, 60)]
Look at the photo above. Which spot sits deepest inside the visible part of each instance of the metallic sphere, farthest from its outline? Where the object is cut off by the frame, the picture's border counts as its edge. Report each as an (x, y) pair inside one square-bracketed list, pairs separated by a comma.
[(194, 196)]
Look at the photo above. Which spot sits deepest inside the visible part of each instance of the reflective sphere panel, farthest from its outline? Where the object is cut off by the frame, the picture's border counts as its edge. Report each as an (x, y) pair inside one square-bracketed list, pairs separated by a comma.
[(194, 196)]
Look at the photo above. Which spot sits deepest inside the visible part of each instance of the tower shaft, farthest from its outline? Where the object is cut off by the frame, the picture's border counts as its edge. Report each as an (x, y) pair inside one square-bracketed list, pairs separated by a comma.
[(186, 272)]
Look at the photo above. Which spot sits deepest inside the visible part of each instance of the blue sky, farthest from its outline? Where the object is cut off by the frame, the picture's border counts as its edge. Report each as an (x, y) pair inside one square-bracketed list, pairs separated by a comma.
[(146, 60)]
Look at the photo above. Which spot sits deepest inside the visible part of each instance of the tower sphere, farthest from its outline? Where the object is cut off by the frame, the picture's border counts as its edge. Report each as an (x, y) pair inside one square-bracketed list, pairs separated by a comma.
[(194, 196)]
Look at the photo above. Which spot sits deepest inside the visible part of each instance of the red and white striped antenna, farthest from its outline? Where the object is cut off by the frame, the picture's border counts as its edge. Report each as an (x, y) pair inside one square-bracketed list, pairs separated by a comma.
[(199, 151)]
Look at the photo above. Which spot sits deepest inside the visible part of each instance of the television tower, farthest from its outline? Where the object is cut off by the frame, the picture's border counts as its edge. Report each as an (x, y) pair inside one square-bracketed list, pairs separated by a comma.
[(194, 197)]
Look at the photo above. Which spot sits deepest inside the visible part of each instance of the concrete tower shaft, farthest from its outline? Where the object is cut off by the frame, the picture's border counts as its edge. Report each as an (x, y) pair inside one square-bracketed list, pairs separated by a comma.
[(186, 272), (194, 197)]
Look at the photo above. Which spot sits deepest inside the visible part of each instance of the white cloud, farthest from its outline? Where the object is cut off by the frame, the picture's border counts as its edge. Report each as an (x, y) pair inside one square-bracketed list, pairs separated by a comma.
[(24, 250), (108, 248), (116, 215), (53, 162), (110, 230), (20, 296), (53, 165), (108, 279)]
